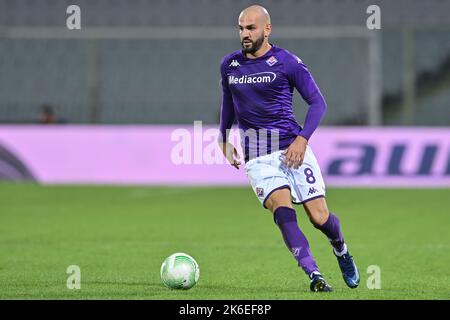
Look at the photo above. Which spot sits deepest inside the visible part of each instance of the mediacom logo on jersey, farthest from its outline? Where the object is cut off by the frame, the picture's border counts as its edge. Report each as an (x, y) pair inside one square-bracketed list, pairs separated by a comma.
[(260, 77)]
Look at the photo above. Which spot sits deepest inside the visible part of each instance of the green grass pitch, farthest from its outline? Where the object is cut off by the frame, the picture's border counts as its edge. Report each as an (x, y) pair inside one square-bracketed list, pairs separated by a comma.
[(119, 236)]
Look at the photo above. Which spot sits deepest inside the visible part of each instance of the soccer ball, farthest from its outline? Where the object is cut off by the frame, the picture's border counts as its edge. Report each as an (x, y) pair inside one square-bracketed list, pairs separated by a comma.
[(180, 271)]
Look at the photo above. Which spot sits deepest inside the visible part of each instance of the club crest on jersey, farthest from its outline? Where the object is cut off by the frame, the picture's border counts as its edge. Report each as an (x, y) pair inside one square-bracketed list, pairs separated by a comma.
[(234, 63), (260, 192), (271, 61)]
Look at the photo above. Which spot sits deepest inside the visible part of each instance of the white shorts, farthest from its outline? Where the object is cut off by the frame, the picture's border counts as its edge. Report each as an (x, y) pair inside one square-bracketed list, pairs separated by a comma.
[(268, 173)]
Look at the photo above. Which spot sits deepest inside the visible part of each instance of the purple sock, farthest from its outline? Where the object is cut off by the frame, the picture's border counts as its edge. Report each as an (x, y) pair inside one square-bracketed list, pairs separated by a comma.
[(295, 240), (332, 229)]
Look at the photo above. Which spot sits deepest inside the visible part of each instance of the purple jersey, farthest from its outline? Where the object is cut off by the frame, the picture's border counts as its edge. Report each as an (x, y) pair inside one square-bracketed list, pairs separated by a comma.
[(258, 94)]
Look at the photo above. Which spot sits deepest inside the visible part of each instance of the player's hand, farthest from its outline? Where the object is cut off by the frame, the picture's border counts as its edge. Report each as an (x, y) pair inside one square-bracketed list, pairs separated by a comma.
[(294, 154), (231, 154)]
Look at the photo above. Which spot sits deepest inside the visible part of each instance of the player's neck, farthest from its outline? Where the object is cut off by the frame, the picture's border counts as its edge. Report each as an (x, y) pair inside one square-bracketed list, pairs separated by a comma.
[(261, 51)]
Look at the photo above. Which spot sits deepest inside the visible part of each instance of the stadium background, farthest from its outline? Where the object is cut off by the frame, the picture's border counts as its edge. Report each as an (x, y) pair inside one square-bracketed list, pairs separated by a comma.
[(137, 71)]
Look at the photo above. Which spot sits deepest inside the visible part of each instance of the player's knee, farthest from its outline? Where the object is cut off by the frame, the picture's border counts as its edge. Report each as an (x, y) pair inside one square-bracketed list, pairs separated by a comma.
[(318, 221), (317, 211), (318, 215), (273, 206), (280, 198)]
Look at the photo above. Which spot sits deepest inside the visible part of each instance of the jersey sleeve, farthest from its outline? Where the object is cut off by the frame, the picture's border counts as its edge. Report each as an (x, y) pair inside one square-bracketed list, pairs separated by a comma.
[(227, 115), (300, 78)]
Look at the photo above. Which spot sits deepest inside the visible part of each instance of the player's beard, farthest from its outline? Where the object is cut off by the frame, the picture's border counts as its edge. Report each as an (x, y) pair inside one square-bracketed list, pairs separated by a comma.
[(256, 45)]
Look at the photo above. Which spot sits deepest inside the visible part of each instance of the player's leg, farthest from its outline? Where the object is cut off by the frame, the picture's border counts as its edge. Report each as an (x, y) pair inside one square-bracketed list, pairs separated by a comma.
[(279, 203), (329, 224), (272, 188)]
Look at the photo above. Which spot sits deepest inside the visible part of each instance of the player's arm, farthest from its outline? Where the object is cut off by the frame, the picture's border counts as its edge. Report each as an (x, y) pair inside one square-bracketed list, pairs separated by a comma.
[(300, 77), (226, 122)]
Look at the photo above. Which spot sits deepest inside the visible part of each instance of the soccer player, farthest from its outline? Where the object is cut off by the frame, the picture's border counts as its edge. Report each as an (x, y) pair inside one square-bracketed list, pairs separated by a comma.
[(258, 83)]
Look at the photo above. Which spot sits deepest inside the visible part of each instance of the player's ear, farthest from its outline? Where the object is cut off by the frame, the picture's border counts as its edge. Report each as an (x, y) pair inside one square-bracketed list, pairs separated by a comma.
[(267, 30)]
